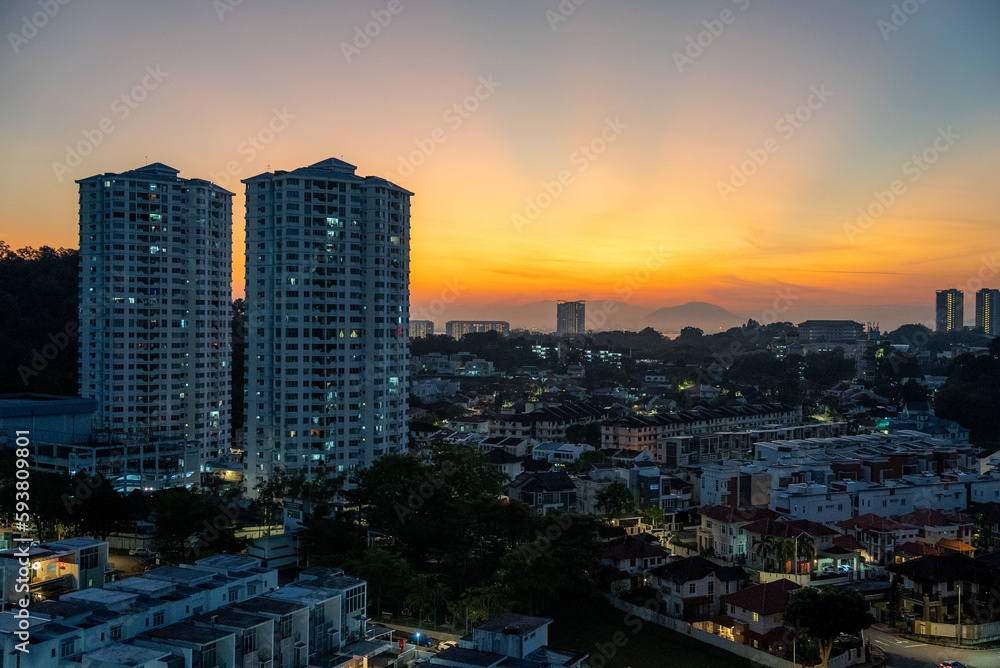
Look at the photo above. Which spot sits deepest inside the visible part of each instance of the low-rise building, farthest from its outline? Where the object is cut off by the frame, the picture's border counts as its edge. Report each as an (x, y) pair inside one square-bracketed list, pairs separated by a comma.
[(544, 491), (931, 585), (634, 555), (54, 568), (290, 637), (353, 594), (560, 453), (692, 587), (721, 529), (812, 501), (756, 614), (881, 537), (508, 640), (162, 611)]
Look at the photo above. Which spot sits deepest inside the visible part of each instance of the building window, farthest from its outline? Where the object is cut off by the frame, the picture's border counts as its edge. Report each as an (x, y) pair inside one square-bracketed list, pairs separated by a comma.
[(209, 656), (234, 594), (691, 588), (116, 632), (157, 618), (88, 558), (66, 648)]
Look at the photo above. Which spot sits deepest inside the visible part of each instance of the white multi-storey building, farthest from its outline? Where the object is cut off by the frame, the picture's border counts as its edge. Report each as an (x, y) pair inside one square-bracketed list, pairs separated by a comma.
[(327, 291), (155, 308)]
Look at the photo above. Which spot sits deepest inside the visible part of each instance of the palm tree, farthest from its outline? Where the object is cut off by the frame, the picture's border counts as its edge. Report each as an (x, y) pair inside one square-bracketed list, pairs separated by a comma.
[(764, 548), (784, 552), (805, 548)]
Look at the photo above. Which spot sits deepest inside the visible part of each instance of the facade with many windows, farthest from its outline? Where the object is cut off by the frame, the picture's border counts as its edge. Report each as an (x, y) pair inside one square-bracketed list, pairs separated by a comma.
[(155, 308), (327, 292)]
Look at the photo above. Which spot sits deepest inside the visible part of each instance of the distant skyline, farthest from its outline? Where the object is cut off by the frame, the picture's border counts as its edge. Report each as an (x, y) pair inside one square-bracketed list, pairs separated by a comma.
[(742, 153)]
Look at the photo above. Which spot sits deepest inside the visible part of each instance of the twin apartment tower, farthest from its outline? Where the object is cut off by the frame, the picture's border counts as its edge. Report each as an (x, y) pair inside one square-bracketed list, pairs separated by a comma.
[(327, 314)]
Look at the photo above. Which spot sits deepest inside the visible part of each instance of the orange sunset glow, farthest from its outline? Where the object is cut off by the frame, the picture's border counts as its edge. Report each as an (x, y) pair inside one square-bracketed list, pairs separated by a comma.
[(586, 158)]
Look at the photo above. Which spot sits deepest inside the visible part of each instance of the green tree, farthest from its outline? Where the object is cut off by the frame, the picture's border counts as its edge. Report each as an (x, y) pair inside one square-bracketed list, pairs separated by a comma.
[(39, 295), (805, 548), (984, 536), (616, 499), (586, 461), (478, 604), (652, 515), (389, 578), (826, 613), (326, 541), (828, 368), (765, 549), (426, 593), (192, 522), (783, 553), (49, 510), (913, 391), (96, 508), (894, 599), (970, 396), (268, 507), (589, 433)]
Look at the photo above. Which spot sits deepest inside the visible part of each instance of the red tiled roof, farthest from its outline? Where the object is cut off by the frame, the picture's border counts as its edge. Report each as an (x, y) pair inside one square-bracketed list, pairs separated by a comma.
[(871, 522), (631, 547), (788, 529), (848, 543), (764, 599), (928, 517), (730, 514), (952, 544), (916, 549)]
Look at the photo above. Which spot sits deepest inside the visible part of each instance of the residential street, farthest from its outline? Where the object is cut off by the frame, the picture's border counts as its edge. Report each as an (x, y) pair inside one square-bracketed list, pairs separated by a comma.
[(905, 653)]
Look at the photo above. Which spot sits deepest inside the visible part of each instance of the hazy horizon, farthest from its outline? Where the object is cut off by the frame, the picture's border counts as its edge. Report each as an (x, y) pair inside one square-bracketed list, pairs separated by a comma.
[(731, 152)]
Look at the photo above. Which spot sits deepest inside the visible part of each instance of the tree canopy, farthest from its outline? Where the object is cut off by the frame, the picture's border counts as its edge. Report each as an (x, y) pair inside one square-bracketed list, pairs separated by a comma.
[(826, 613), (616, 499)]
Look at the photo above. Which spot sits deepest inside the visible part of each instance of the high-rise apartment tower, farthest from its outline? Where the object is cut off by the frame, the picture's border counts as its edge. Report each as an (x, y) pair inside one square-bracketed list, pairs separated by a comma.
[(327, 293), (950, 310), (155, 314), (570, 318)]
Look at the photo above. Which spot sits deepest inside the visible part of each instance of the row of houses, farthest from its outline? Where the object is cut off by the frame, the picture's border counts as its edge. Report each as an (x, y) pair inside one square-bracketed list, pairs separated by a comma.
[(224, 610), (736, 534)]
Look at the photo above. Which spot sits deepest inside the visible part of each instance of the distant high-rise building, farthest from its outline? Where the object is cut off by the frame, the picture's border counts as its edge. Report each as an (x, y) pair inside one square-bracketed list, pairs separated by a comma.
[(456, 329), (327, 294), (570, 318), (421, 328), (830, 330), (988, 311), (950, 311), (156, 311)]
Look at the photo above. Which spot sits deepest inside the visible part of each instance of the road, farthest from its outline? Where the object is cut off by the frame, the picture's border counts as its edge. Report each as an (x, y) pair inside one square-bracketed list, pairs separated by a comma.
[(904, 653)]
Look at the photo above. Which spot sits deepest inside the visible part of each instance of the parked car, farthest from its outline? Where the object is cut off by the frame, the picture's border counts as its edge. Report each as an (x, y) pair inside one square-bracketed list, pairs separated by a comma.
[(953, 664), (143, 553), (844, 569), (422, 640)]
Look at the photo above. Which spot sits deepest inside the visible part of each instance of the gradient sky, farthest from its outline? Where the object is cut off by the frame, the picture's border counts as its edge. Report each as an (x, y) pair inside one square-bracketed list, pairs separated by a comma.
[(642, 214)]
